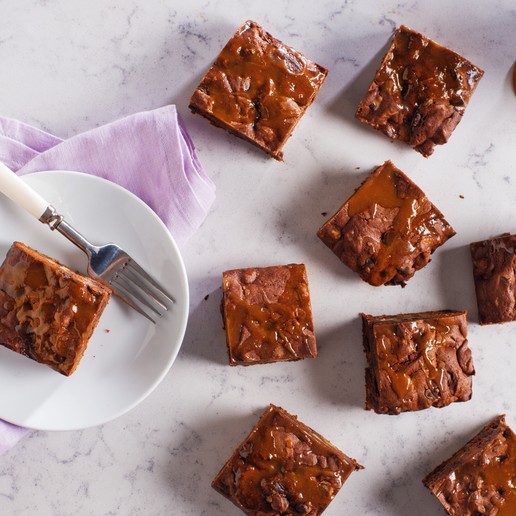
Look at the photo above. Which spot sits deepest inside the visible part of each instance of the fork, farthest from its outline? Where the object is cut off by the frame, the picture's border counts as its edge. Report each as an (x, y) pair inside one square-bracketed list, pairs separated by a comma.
[(107, 263)]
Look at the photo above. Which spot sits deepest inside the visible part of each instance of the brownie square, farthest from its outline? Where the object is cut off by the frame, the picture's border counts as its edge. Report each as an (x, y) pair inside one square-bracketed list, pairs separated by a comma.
[(267, 315), (283, 467), (258, 89), (387, 229), (416, 361), (480, 478), (420, 92), (47, 311), (494, 272)]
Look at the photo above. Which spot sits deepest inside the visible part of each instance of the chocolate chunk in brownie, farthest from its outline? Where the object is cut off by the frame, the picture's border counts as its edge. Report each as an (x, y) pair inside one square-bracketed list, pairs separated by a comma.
[(47, 311), (420, 92), (416, 361), (258, 89), (267, 315), (387, 229), (283, 467), (494, 272), (480, 478)]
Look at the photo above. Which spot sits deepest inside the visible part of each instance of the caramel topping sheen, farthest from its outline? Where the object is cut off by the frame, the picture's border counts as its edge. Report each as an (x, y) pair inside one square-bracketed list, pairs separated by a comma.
[(265, 84), (262, 326), (388, 187), (492, 470), (285, 460)]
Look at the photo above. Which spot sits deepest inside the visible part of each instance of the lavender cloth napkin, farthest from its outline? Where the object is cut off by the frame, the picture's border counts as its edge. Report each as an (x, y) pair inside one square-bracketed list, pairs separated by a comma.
[(149, 154)]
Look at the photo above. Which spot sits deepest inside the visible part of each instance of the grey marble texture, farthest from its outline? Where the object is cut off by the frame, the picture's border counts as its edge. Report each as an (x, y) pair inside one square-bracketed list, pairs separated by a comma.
[(70, 65)]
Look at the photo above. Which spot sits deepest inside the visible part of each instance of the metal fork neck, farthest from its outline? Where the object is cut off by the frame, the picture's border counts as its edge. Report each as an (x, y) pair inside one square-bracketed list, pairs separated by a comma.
[(51, 217), (56, 221)]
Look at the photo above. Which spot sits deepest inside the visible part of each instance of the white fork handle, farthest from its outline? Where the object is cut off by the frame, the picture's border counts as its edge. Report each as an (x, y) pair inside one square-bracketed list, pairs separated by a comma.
[(21, 193)]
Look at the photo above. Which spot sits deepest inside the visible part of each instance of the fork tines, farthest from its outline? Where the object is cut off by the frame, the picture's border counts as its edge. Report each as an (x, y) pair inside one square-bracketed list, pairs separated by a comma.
[(141, 291)]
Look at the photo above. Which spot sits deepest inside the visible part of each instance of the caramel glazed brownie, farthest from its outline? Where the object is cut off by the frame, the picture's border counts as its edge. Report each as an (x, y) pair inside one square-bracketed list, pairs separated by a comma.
[(267, 315), (48, 312), (387, 230), (494, 272), (480, 478), (284, 467), (258, 89), (420, 92), (416, 361)]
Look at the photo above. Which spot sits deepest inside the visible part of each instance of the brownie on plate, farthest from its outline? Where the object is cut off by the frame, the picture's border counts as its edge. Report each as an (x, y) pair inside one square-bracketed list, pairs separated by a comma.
[(479, 479), (267, 315), (416, 361), (283, 467), (494, 271), (387, 229), (47, 311), (258, 89), (420, 92)]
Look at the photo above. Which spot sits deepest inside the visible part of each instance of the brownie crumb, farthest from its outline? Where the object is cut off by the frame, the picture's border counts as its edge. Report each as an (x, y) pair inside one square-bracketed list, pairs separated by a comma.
[(206, 297), (324, 213), (461, 196), (107, 330)]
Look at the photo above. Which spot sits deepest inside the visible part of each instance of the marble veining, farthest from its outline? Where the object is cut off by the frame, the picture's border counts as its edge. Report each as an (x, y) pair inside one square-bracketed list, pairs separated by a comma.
[(71, 65)]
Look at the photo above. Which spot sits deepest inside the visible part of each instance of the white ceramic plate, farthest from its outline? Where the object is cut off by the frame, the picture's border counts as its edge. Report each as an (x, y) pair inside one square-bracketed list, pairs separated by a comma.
[(127, 356)]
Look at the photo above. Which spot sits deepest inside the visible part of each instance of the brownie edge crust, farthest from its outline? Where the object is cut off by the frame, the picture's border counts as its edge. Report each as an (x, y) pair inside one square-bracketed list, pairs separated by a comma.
[(479, 479), (283, 467), (258, 89)]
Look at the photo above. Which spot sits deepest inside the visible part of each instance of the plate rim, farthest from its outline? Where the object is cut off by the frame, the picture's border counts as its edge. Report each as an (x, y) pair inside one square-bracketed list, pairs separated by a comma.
[(183, 319)]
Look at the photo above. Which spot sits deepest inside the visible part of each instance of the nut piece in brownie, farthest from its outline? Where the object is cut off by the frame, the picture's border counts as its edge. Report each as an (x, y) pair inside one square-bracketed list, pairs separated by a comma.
[(416, 361), (419, 93), (481, 477), (494, 272), (47, 311), (283, 467), (258, 89), (267, 315), (387, 229)]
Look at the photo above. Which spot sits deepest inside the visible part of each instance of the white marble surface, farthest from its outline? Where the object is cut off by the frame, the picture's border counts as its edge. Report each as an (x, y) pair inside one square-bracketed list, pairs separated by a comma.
[(69, 65)]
